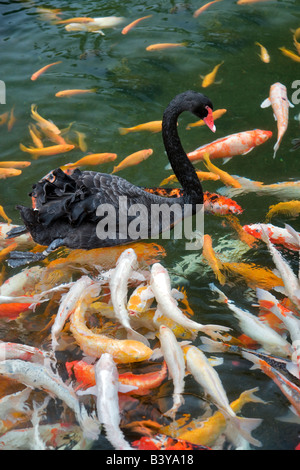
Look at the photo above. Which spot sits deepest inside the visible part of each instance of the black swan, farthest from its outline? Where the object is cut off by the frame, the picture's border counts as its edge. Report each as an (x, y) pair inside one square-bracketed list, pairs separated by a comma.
[(66, 206)]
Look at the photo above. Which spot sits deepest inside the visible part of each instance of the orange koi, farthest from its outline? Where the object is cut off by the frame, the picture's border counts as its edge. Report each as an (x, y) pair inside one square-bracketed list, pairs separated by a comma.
[(264, 55), (47, 151), (37, 141), (39, 72), (92, 159), (151, 126), (246, 2), (280, 105), (290, 54), (81, 19), (216, 114), (202, 175), (3, 118), (131, 25), (165, 45), (15, 164), (11, 120), (203, 8), (289, 208), (67, 93), (81, 141), (12, 311), (295, 37), (210, 257), (236, 144), (225, 177), (244, 235), (43, 123), (8, 172), (133, 159), (4, 216), (85, 376), (209, 79)]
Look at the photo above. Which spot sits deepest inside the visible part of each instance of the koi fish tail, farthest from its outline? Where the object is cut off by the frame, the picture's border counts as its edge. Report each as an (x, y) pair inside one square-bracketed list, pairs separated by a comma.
[(135, 336), (89, 424), (276, 147), (178, 400), (214, 331), (246, 426), (210, 345)]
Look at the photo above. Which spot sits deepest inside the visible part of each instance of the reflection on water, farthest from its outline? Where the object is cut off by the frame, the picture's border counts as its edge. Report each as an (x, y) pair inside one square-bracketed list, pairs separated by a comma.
[(134, 86)]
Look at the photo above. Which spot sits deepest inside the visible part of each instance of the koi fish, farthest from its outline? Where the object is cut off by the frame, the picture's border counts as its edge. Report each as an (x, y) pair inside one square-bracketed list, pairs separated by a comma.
[(173, 355), (203, 8), (140, 300), (39, 376), (133, 159), (11, 119), (277, 235), (253, 275), (216, 115), (92, 159), (151, 126), (67, 305), (209, 79), (225, 177), (9, 172), (13, 164), (199, 366), (264, 55), (13, 409), (23, 352), (89, 27), (39, 72), (202, 175), (12, 311), (282, 190), (240, 143), (290, 54), (131, 25), (211, 258), (289, 208), (288, 388), (3, 118), (4, 216), (118, 290), (280, 105), (247, 2), (68, 93), (47, 151), (255, 328), (165, 45), (81, 141), (243, 234), (92, 344), (22, 283), (161, 442), (43, 123), (79, 19), (161, 286), (295, 38), (206, 432)]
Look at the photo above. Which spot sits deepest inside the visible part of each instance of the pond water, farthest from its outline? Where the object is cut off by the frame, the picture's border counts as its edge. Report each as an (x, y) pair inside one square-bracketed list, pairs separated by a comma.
[(134, 86)]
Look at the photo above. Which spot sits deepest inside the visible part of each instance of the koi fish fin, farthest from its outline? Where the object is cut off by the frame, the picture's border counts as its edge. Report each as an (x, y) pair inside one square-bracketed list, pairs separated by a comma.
[(275, 148), (248, 151), (266, 103), (246, 426), (177, 294), (209, 345), (124, 388), (222, 296), (88, 391), (249, 396), (135, 336), (293, 369), (226, 160), (291, 104), (157, 354), (275, 118), (216, 361)]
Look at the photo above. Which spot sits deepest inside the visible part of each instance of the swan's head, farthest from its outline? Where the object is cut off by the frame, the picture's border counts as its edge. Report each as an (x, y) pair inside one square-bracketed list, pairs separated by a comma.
[(201, 106)]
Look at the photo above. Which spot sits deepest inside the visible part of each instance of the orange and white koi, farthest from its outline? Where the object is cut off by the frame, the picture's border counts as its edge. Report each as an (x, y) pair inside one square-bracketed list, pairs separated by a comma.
[(280, 104), (24, 352), (47, 151), (151, 126), (264, 55), (225, 177), (39, 72), (160, 442), (173, 355), (22, 283), (118, 284), (92, 344), (165, 45), (289, 208), (209, 79), (131, 25), (96, 25), (252, 326), (206, 432), (140, 300), (277, 235), (92, 159), (133, 159), (203, 8), (220, 205), (227, 147), (66, 307), (68, 93), (40, 376), (216, 115), (161, 286), (288, 388), (283, 190), (206, 375)]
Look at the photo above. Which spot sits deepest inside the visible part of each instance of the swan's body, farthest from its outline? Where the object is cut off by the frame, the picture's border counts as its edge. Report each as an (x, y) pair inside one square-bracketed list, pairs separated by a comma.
[(67, 209)]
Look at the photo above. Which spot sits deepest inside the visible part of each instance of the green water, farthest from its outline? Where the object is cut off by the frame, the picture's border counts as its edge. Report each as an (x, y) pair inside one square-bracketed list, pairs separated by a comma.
[(134, 86)]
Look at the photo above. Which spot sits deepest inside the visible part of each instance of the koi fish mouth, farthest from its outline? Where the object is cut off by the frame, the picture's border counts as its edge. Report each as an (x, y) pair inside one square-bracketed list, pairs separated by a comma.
[(209, 120)]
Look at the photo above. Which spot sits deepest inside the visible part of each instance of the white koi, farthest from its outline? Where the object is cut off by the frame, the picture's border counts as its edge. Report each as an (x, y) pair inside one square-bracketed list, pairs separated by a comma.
[(42, 377), (161, 286), (23, 352), (205, 374), (252, 326), (21, 283), (11, 405), (279, 101), (118, 288)]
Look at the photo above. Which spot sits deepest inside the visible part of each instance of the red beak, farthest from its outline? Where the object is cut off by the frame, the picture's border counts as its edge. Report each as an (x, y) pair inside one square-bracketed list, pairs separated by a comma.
[(209, 120)]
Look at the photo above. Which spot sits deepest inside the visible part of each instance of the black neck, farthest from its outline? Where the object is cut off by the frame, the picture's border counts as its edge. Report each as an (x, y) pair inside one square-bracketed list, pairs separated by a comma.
[(182, 167)]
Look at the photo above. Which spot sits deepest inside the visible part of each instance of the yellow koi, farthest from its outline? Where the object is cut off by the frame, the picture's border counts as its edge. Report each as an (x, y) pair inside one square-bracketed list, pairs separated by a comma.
[(202, 175), (295, 37), (151, 126), (44, 123), (211, 258), (216, 114), (67, 93), (225, 177), (165, 45), (290, 54), (8, 172), (289, 208), (21, 164), (209, 79), (133, 159), (264, 55), (93, 159), (4, 216), (46, 151)]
